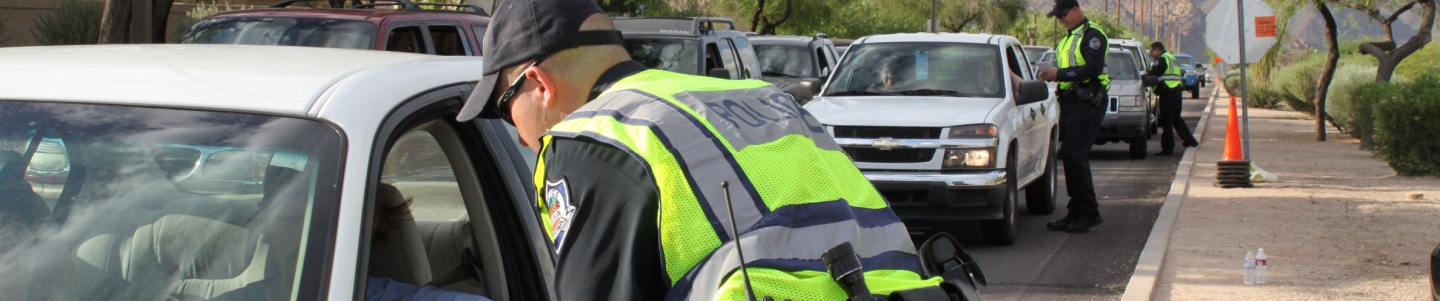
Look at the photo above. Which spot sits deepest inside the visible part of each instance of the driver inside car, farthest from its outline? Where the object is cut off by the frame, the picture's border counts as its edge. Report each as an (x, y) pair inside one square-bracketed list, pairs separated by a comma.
[(896, 75)]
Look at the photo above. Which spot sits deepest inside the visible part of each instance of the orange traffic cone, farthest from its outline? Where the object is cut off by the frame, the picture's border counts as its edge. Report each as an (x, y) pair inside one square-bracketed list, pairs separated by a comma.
[(1232, 136)]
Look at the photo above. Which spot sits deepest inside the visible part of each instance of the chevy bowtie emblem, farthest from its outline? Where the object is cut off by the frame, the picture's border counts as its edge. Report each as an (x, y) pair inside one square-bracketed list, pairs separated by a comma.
[(885, 143)]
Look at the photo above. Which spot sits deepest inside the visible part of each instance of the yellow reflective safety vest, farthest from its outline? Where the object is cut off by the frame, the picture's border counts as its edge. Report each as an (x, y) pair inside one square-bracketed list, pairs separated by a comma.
[(1172, 75), (1067, 54), (794, 192)]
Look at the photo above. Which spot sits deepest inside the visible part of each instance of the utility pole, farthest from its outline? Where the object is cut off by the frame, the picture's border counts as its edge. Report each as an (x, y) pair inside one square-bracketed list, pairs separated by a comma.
[(934, 24), (1140, 23)]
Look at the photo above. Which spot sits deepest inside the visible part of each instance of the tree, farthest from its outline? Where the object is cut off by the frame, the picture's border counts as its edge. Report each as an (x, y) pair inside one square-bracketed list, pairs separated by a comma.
[(979, 16), (1386, 51), (1328, 75), (769, 17)]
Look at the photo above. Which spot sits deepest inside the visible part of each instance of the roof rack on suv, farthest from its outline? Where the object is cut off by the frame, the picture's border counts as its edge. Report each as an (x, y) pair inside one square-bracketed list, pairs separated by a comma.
[(405, 5), (688, 25)]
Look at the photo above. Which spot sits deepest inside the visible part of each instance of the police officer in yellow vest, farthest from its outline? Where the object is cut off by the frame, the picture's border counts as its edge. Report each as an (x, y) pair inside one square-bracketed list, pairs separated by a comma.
[(1171, 99), (636, 168), (1082, 87)]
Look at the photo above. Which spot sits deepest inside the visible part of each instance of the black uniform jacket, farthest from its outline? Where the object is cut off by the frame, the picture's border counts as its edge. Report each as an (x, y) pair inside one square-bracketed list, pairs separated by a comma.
[(611, 250)]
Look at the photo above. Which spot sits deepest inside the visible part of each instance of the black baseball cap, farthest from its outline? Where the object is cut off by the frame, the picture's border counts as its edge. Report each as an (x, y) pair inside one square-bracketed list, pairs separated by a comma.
[(1061, 7), (526, 30)]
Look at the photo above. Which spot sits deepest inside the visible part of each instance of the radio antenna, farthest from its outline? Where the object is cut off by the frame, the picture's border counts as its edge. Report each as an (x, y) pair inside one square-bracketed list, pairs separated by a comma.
[(735, 235)]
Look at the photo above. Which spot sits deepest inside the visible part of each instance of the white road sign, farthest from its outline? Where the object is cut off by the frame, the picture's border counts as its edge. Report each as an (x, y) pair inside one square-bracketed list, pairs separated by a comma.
[(1222, 30)]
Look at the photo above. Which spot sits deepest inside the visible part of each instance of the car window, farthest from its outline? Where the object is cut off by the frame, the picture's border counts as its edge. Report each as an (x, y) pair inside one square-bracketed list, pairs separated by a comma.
[(726, 53), (1121, 66), (405, 39), (785, 61), (449, 40), (748, 63), (312, 32), (1019, 64), (479, 35), (712, 58), (675, 55), (822, 60), (101, 202), (1032, 54), (1184, 61), (950, 69)]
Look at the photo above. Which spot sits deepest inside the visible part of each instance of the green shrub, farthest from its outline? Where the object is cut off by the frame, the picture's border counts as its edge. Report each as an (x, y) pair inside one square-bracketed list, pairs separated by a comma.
[(1298, 79), (75, 22), (1351, 113), (1359, 115), (1406, 127), (1425, 61), (1265, 97)]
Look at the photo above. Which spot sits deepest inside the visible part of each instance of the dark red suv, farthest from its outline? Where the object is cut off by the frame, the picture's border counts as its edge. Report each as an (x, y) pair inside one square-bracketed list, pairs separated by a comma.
[(390, 25)]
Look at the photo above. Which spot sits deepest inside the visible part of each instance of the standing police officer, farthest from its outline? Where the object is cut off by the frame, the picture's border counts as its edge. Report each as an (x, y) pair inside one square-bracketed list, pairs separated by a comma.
[(1171, 99), (636, 168), (1082, 87)]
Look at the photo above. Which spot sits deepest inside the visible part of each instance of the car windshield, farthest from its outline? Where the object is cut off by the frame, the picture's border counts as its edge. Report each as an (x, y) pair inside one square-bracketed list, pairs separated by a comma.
[(785, 61), (283, 31), (947, 69), (1185, 62), (677, 55), (103, 202), (1033, 54), (1121, 66)]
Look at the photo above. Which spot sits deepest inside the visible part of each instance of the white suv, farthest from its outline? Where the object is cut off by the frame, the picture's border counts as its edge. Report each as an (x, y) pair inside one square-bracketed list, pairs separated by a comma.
[(947, 126)]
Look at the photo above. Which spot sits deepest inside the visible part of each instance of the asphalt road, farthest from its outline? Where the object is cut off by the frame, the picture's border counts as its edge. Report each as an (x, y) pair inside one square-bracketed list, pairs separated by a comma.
[(1051, 265)]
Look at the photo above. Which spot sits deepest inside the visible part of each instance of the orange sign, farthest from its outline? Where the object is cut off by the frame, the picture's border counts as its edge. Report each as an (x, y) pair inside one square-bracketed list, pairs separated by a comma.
[(1265, 27)]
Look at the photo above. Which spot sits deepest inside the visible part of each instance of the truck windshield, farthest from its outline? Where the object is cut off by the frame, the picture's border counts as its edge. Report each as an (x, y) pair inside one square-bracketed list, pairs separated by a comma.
[(1121, 66), (102, 202), (676, 55), (1185, 62), (786, 61), (944, 69), (283, 31)]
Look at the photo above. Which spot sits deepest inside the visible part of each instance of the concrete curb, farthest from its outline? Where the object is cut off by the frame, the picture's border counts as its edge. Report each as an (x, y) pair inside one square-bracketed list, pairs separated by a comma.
[(1147, 269)]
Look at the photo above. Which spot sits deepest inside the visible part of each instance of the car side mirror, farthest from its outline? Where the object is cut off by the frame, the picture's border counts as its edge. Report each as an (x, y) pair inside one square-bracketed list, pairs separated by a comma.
[(1150, 80), (804, 91), (1032, 91), (719, 73)]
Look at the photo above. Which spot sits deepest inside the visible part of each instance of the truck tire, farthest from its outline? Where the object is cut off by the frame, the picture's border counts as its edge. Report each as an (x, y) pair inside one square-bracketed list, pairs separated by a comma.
[(1040, 195), (1195, 93), (1002, 231), (1139, 147)]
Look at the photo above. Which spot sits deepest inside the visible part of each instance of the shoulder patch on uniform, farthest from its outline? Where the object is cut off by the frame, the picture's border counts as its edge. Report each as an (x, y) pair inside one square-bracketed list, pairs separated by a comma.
[(1094, 43), (560, 209)]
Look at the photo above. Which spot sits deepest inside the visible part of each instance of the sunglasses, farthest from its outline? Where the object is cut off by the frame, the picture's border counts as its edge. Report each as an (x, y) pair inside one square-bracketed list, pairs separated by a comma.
[(502, 105)]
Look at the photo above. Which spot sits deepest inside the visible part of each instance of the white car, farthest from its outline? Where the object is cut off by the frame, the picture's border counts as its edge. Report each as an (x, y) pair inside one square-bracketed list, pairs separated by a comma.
[(946, 126), (221, 172)]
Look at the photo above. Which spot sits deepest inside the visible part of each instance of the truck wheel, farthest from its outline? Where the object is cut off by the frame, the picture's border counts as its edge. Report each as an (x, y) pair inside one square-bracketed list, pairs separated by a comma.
[(1040, 195), (1195, 93), (1002, 231), (1139, 147)]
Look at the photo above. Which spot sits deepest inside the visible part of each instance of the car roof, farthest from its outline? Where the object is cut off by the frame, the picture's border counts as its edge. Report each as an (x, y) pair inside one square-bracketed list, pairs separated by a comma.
[(678, 26), (279, 80), (935, 37), (352, 14), (782, 40), (1182, 55), (1037, 47)]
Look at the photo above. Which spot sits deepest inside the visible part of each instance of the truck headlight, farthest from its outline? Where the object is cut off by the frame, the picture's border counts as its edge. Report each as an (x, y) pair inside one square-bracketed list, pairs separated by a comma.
[(964, 158), (973, 131)]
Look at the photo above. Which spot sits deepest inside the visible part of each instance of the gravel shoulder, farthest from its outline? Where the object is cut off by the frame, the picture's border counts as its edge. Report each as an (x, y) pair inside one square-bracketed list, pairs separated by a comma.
[(1338, 225)]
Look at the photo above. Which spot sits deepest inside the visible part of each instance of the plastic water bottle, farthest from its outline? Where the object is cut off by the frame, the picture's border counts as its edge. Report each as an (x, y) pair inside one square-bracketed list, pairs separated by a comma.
[(1260, 264), (1249, 267)]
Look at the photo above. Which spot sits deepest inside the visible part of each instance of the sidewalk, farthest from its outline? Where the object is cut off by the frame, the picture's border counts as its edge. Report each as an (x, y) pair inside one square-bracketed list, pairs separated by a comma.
[(1337, 225)]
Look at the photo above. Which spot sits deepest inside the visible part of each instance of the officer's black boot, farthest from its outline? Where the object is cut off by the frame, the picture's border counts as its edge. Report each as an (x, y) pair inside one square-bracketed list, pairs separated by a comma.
[(1084, 223), (1063, 224)]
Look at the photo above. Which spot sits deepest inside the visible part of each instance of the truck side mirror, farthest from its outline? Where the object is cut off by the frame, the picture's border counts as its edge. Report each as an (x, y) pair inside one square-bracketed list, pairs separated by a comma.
[(1032, 91), (721, 73)]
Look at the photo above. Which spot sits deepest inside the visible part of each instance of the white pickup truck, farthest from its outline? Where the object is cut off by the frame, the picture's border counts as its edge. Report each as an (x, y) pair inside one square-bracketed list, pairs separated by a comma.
[(947, 126)]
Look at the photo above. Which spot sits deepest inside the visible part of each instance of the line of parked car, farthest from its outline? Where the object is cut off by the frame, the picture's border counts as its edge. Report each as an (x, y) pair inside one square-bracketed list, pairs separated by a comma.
[(276, 161)]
